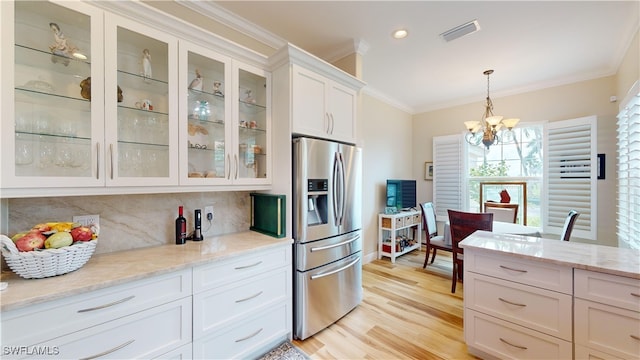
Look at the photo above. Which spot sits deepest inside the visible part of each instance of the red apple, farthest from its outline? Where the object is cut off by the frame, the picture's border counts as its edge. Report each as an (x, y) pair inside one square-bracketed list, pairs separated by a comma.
[(81, 233), (33, 240)]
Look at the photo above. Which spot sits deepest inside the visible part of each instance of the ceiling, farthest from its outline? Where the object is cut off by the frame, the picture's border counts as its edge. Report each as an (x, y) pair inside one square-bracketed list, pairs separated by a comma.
[(530, 44)]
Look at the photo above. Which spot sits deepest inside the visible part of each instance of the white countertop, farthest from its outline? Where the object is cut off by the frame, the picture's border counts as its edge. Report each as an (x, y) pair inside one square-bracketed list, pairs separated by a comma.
[(606, 259), (104, 270)]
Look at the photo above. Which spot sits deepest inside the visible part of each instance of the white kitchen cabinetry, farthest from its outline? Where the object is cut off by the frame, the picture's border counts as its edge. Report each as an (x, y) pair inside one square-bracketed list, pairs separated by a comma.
[(322, 107), (321, 100), (517, 309), (52, 135), (607, 315), (67, 130), (396, 234), (224, 119), (242, 307), (114, 322), (116, 120), (140, 132)]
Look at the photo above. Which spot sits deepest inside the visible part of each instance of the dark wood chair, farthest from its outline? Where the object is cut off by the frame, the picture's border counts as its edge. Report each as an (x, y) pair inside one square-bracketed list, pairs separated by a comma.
[(568, 225), (433, 241), (502, 212), (461, 225)]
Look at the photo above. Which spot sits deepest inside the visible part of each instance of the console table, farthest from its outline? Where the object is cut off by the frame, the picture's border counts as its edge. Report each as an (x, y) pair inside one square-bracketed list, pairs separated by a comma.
[(395, 233)]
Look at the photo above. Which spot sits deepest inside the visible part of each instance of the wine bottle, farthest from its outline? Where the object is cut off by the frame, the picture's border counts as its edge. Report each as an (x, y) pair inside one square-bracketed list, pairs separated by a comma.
[(181, 228)]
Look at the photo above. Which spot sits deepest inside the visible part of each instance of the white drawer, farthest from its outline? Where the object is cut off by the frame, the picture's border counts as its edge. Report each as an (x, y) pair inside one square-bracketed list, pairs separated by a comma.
[(608, 289), (608, 329), (584, 353), (81, 311), (227, 271), (222, 306), (542, 310), (145, 334), (505, 340), (247, 338), (534, 273)]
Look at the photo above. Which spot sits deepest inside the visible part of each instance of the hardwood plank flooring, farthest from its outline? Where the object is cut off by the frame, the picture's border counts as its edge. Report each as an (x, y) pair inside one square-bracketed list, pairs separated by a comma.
[(407, 313)]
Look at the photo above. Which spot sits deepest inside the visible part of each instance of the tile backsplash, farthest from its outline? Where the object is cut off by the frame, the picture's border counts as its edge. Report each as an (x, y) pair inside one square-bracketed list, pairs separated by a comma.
[(135, 221)]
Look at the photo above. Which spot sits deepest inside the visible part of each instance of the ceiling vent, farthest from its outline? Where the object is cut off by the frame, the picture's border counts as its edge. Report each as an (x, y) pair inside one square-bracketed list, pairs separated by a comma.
[(460, 31)]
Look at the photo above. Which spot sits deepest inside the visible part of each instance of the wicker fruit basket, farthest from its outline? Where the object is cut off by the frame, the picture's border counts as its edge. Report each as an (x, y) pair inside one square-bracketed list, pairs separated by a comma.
[(45, 263)]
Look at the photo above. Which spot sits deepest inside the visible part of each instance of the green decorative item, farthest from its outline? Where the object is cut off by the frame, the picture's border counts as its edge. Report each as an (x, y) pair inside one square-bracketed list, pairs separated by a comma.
[(268, 214)]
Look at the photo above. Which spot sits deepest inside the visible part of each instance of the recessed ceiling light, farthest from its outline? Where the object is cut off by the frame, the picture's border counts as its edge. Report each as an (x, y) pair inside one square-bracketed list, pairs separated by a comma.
[(400, 34)]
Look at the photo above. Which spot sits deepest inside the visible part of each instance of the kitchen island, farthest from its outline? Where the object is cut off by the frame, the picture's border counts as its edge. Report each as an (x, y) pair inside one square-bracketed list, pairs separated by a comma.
[(530, 297), (157, 301)]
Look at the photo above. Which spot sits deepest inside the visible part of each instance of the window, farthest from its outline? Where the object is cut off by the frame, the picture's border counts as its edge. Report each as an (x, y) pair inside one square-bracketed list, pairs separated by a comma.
[(557, 160), (517, 159), (629, 171)]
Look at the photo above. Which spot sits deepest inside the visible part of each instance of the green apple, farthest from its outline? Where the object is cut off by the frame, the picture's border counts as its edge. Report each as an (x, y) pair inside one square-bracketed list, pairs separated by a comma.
[(58, 240)]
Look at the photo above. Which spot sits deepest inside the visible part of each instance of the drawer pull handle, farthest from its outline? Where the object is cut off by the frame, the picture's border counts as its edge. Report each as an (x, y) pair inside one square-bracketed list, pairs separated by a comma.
[(250, 336), (249, 298), (354, 238), (511, 303), (248, 266), (515, 346), (108, 351), (512, 269), (634, 294), (634, 337), (107, 305)]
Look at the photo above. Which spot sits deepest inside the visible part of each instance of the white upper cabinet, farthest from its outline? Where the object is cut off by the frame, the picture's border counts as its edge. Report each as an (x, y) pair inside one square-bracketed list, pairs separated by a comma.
[(224, 120), (319, 99), (51, 69), (99, 103), (141, 104), (322, 107)]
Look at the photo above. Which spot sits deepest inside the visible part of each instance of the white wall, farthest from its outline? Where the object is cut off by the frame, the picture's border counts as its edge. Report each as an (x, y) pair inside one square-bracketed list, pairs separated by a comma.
[(385, 134)]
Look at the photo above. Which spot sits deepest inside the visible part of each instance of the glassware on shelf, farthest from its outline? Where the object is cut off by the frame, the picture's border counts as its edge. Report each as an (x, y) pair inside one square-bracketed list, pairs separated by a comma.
[(200, 110)]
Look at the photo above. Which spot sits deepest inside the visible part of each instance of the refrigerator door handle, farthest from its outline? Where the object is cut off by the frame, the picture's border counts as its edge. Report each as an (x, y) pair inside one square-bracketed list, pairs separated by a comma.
[(336, 202), (343, 201), (321, 275)]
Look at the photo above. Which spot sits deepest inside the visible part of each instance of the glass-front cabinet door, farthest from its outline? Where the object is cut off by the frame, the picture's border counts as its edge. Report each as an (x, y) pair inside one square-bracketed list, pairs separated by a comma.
[(141, 105), (205, 116), (52, 131), (252, 134)]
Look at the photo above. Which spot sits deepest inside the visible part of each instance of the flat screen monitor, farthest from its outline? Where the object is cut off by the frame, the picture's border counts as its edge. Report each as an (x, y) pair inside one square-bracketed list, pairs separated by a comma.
[(401, 194)]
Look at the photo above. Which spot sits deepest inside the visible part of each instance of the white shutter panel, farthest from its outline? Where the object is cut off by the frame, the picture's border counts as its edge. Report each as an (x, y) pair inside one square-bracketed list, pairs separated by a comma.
[(628, 226), (448, 173), (570, 175)]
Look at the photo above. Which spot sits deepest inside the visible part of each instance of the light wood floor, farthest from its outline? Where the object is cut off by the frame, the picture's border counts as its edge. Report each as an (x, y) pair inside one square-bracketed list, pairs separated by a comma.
[(407, 313)]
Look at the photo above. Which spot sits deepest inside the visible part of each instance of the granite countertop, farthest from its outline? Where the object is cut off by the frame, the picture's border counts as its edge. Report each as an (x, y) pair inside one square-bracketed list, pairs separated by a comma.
[(104, 270), (606, 259)]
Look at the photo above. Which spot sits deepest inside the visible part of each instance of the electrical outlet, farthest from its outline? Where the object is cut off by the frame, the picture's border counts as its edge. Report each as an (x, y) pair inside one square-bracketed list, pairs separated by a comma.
[(208, 210), (87, 220)]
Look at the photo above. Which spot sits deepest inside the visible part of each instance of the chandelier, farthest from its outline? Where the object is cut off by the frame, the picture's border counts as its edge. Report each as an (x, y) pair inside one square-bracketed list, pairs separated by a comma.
[(488, 131)]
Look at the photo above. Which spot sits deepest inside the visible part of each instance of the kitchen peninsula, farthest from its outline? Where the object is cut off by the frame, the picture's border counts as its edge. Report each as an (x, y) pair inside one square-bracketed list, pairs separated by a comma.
[(228, 296), (542, 298)]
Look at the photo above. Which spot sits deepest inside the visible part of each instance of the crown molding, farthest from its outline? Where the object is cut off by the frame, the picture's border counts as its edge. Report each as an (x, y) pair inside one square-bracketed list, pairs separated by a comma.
[(357, 46), (387, 100), (235, 22), (143, 13)]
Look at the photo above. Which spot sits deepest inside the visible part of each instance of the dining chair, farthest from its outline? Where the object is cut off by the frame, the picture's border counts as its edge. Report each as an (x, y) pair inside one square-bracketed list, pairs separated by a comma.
[(501, 211), (568, 225), (432, 239), (461, 225)]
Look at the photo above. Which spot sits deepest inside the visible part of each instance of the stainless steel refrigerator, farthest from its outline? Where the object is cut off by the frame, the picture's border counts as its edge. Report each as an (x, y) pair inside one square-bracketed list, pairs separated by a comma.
[(327, 229)]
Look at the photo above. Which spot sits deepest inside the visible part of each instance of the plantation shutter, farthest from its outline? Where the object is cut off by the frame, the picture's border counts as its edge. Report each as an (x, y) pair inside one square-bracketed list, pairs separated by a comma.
[(448, 174), (570, 175), (628, 226)]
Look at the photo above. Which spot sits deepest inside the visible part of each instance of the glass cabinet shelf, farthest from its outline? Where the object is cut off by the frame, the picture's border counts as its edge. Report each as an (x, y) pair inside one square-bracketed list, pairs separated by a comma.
[(45, 60), (136, 81), (41, 97)]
